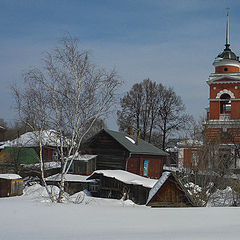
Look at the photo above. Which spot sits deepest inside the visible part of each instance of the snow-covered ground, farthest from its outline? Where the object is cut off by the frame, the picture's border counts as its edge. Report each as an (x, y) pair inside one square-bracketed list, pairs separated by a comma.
[(31, 217)]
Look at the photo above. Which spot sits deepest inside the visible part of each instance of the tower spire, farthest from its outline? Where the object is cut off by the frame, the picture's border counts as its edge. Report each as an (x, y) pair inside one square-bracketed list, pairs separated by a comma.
[(227, 31)]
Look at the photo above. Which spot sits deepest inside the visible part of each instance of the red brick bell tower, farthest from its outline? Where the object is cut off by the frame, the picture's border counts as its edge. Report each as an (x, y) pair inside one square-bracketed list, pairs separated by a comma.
[(223, 117)]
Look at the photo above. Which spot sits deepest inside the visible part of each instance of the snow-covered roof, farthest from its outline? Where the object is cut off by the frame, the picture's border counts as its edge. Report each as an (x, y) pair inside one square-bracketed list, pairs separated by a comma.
[(10, 176), (126, 177), (47, 165), (172, 149), (172, 169), (69, 178), (158, 185), (84, 157), (190, 143), (30, 139)]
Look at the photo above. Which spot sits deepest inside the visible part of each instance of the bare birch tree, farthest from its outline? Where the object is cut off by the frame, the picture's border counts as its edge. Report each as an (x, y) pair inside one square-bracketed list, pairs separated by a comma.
[(68, 94)]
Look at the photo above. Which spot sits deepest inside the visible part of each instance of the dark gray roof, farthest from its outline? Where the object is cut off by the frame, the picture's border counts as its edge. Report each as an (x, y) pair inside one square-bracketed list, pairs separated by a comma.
[(128, 142), (228, 54)]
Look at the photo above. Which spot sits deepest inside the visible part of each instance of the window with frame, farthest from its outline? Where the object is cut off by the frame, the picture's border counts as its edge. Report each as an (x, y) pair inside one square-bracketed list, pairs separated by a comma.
[(55, 155)]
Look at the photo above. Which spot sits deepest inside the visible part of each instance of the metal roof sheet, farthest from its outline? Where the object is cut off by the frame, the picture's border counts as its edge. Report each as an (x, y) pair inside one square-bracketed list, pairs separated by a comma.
[(129, 143)]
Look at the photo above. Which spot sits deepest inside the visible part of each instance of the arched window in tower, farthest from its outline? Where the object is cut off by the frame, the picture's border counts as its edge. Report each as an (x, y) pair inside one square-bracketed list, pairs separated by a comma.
[(225, 104)]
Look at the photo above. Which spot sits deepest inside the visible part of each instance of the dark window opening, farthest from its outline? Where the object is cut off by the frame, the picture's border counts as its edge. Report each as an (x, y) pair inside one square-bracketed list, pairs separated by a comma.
[(225, 69), (225, 104)]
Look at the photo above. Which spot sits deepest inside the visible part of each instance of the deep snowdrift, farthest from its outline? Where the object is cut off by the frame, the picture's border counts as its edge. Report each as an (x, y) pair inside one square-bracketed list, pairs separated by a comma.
[(31, 217)]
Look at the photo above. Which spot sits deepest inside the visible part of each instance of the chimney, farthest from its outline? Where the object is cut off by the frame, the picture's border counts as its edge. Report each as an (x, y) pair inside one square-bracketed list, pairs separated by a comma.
[(130, 130)]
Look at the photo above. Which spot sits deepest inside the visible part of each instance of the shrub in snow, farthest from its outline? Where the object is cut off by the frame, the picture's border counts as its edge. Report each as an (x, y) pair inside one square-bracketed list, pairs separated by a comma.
[(199, 194), (128, 203), (224, 198), (29, 181)]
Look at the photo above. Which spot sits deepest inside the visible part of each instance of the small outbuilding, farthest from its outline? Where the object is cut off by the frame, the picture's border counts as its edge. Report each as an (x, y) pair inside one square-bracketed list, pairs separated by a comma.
[(73, 182), (169, 192), (119, 184), (83, 164), (11, 185)]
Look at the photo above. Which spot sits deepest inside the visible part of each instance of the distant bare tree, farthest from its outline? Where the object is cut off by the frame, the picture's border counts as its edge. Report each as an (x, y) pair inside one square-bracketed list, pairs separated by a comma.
[(3, 123), (96, 127), (154, 109), (139, 108), (171, 114), (16, 129), (68, 94)]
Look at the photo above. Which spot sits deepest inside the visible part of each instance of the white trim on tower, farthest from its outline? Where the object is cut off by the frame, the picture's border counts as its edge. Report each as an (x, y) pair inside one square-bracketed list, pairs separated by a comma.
[(225, 91)]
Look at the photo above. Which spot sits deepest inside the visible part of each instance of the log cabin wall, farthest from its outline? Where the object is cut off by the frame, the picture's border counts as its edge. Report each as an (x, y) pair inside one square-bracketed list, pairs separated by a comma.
[(110, 154)]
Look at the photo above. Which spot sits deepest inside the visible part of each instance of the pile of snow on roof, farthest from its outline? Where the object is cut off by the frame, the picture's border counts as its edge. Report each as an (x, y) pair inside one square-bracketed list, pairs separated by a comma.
[(82, 157), (31, 139), (68, 178), (127, 177), (10, 176)]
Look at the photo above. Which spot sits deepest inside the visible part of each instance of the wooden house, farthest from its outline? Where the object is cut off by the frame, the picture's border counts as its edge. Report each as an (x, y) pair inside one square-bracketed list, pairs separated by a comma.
[(83, 164), (12, 158), (120, 151), (25, 161), (119, 184), (11, 185), (73, 183), (169, 192), (50, 142)]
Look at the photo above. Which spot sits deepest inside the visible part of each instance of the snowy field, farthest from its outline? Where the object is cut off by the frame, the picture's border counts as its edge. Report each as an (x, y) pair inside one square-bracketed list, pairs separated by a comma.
[(31, 217)]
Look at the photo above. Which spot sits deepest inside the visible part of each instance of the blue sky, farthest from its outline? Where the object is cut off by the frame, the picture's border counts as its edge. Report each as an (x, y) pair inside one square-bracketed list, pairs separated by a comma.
[(171, 42)]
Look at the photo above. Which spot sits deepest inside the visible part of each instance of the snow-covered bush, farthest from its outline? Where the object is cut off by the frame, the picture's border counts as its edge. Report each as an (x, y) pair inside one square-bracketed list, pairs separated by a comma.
[(224, 198), (199, 194)]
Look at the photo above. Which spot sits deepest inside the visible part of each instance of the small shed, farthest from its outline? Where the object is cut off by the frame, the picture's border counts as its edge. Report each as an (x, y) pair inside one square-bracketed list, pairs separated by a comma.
[(73, 182), (119, 184), (83, 164), (11, 185), (169, 192)]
